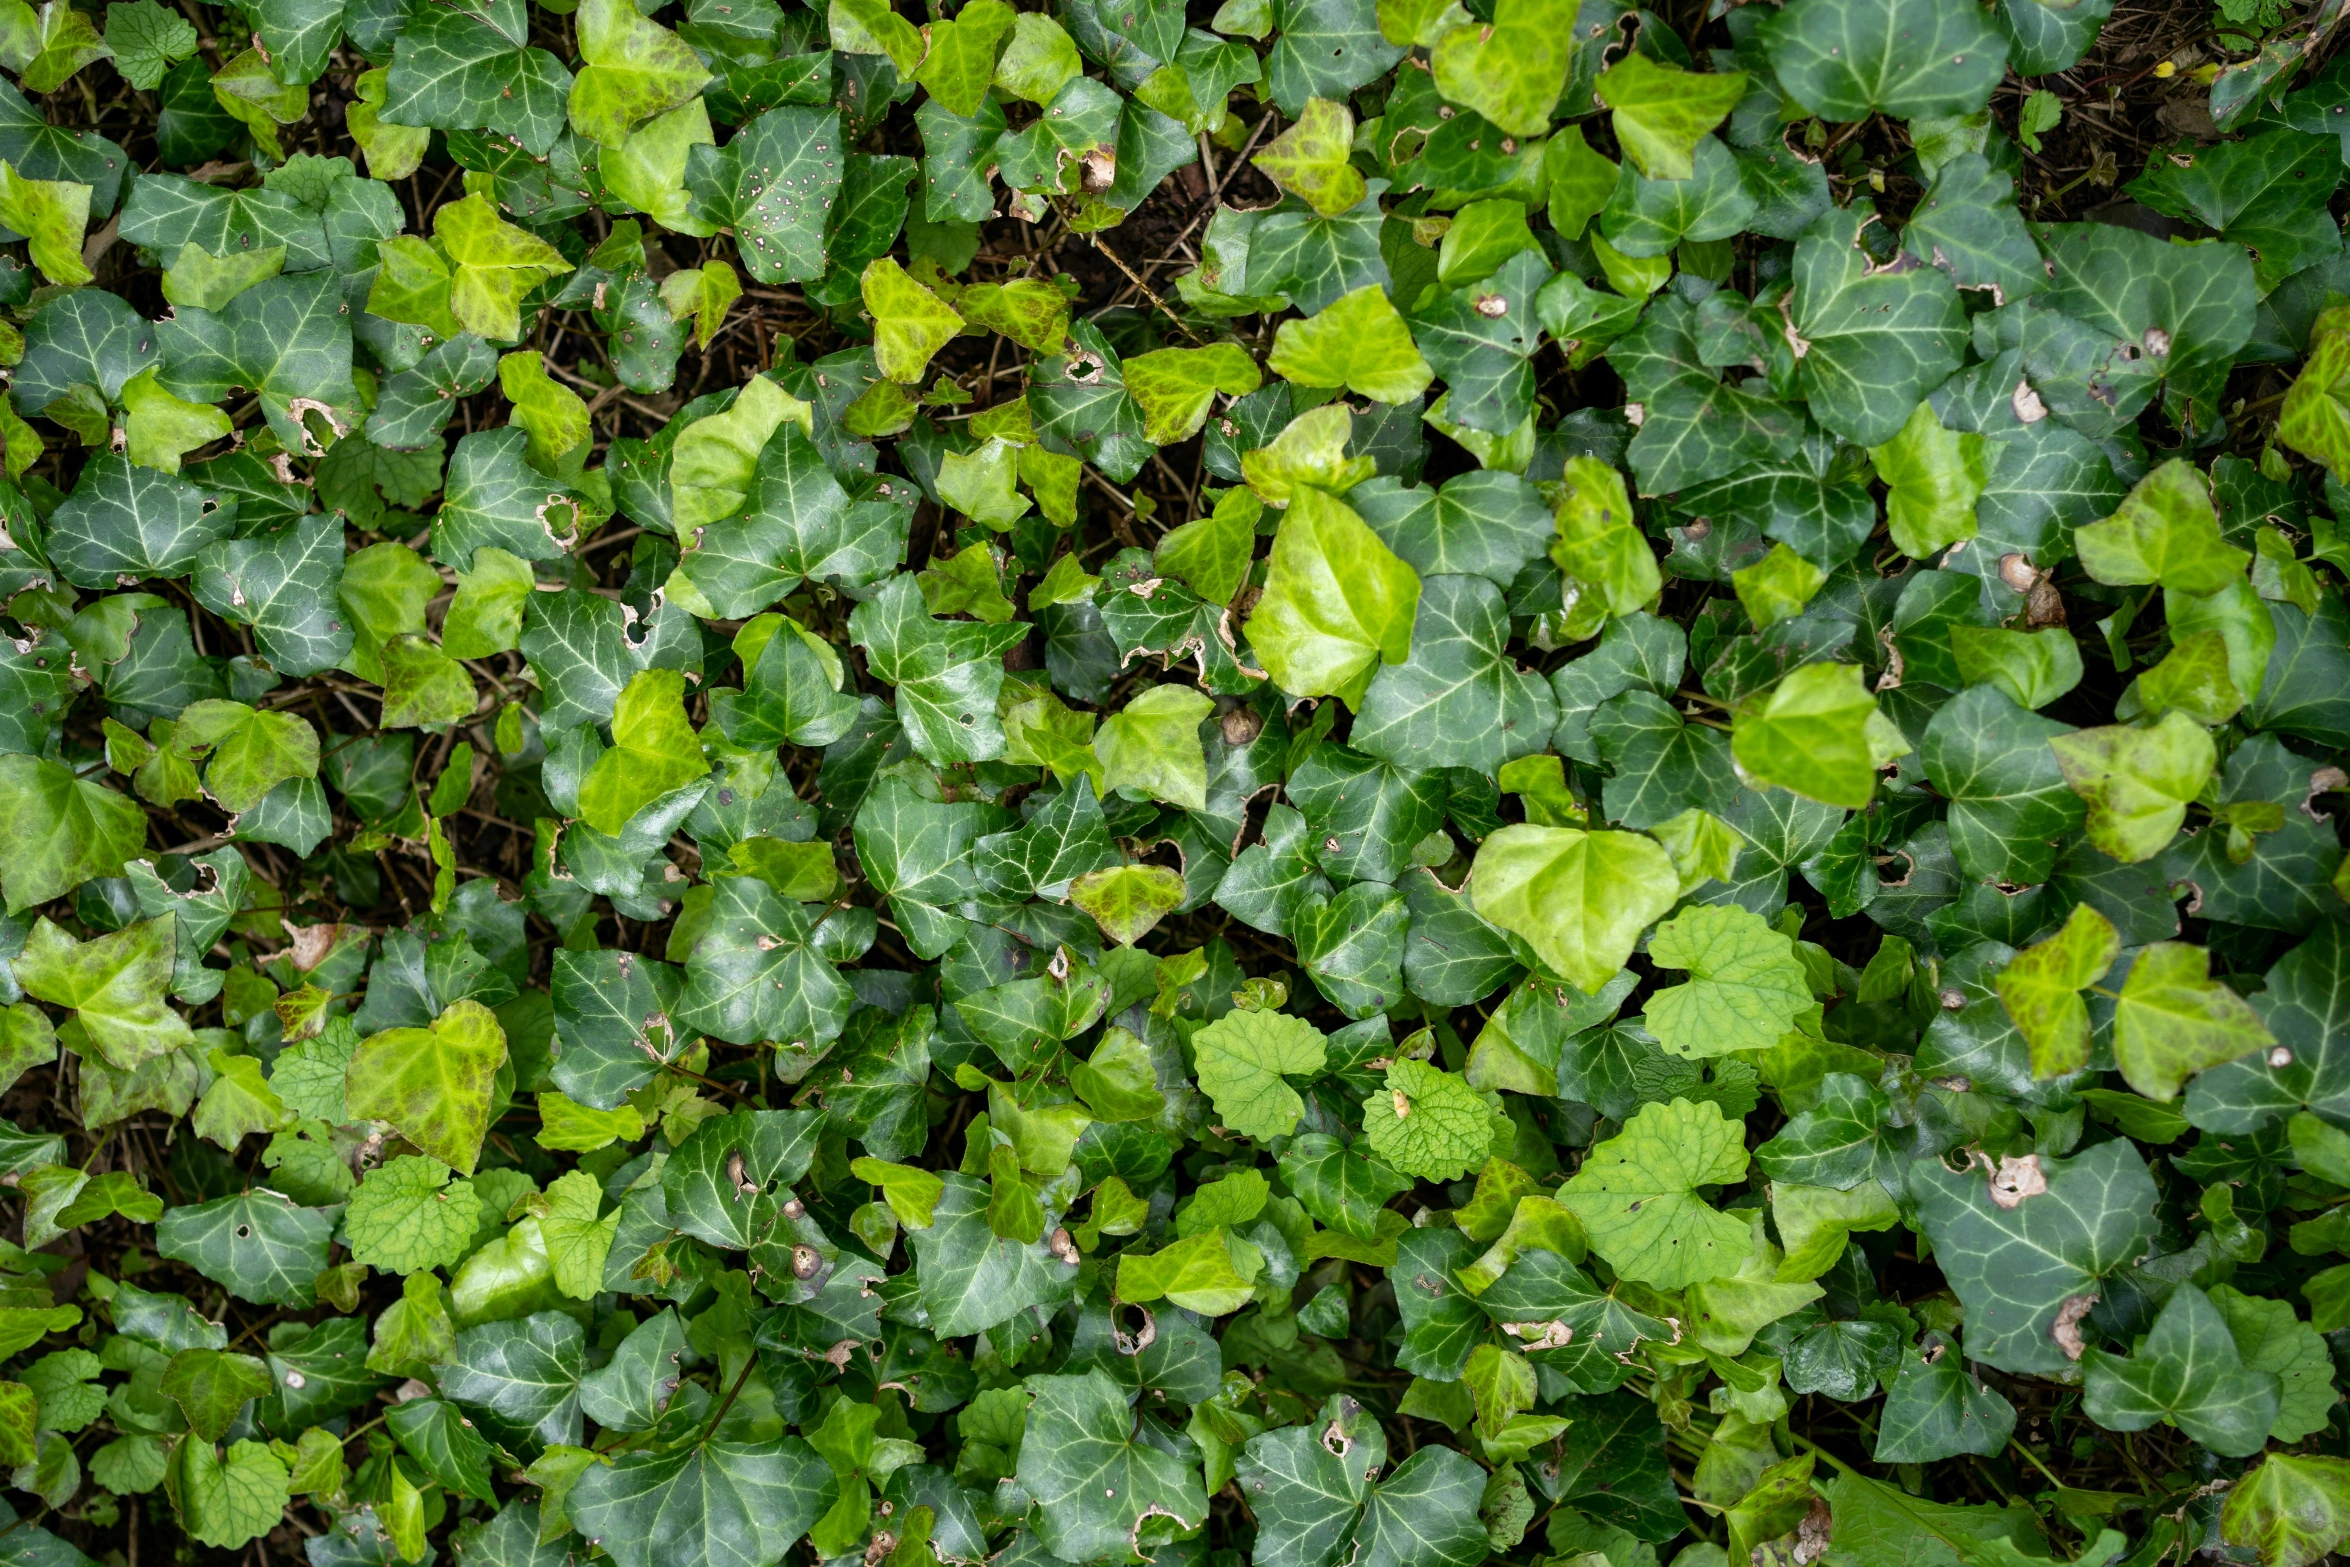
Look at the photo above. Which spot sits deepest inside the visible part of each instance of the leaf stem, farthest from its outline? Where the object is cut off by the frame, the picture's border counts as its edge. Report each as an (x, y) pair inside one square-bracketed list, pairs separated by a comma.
[(731, 1393), (1835, 1463), (2033, 1459)]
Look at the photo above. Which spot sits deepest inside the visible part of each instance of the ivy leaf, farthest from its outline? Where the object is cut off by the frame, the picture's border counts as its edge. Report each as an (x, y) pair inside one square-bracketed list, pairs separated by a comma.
[(212, 1386), (1306, 1484), (654, 752), (1376, 812), (1968, 226), (521, 1378), (1269, 880), (437, 1435), (1933, 477), (1606, 560), (238, 1103), (1906, 58), (1337, 602), (611, 1013), (1242, 1058), (1936, 1409), (1352, 946), (1065, 839), (2173, 1020), (492, 265), (393, 151), (1210, 555), (1309, 160), (1338, 1185), (2186, 1372), (553, 418), (1882, 1519), (1486, 524), (2041, 986), (1579, 899), (1818, 734), (791, 693), (1308, 453), (1081, 407), (721, 1183), (2026, 1250), (968, 1277), (1325, 49), (774, 184), (1459, 700), (434, 1083), (1663, 766), (2272, 1339), (1095, 1486), (947, 673), (406, 1216), (126, 520), (1661, 112), (1647, 218), (1195, 1273), (228, 1500), (2303, 993), (760, 971), (2267, 192), (716, 461), (1175, 387), (1871, 343), (464, 67), (1427, 1123), (160, 429), (1481, 338), (2010, 806), (1838, 1142), (2137, 780), (963, 53), (386, 590), (1152, 746), (115, 983), (259, 1247), (496, 499), (2315, 419), (2165, 531), (635, 71), (1745, 987), (1313, 260), (2294, 1510), (630, 1393), (1636, 1196), (911, 850), (52, 215), (1693, 426), (910, 322), (423, 686), (1511, 71), (979, 484), (250, 752), (2125, 313), (414, 406)]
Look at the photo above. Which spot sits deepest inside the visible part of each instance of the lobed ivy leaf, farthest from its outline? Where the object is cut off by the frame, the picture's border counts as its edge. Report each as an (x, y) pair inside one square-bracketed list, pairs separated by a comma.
[(1636, 1196)]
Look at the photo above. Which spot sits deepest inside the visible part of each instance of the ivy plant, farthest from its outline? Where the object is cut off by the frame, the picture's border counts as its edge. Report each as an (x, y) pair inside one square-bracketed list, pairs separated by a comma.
[(1338, 783)]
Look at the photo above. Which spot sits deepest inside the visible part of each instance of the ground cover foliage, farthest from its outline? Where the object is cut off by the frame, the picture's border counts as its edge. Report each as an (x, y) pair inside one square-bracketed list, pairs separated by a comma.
[(1314, 782)]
